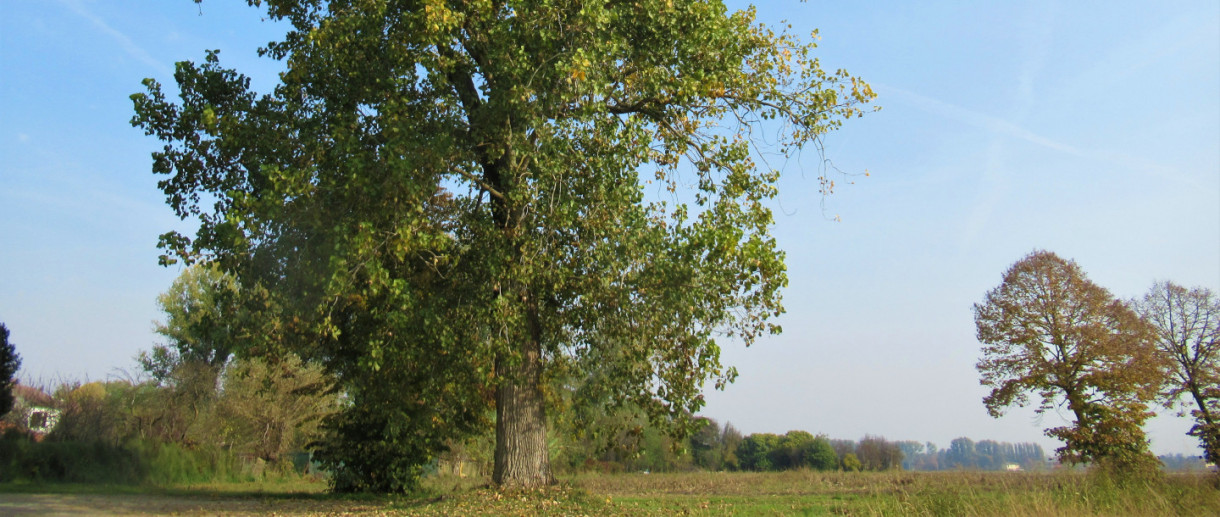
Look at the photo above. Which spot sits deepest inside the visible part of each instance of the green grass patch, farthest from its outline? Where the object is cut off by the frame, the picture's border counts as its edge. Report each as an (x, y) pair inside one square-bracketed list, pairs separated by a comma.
[(698, 493), (905, 493)]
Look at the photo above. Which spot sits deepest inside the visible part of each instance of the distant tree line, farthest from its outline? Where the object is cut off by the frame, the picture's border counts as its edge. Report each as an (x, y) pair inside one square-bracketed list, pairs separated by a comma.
[(800, 449), (1182, 463), (793, 450), (966, 454)]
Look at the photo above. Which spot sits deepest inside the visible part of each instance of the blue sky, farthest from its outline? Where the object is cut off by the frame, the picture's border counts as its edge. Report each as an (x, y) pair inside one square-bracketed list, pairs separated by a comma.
[(1090, 129)]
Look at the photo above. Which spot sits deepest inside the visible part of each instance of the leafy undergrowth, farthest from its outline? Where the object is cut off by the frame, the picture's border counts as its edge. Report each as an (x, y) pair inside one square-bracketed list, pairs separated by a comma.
[(784, 493)]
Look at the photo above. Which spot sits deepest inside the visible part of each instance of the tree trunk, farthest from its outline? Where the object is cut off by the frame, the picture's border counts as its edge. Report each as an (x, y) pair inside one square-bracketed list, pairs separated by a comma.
[(1206, 413), (1207, 429), (1077, 406), (522, 459)]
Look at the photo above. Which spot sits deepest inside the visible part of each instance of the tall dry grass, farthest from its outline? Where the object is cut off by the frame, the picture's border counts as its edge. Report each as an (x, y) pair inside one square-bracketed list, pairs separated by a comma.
[(913, 493)]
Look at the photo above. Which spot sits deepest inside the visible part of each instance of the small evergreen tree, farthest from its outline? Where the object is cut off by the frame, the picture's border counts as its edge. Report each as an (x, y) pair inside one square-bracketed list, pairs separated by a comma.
[(9, 363)]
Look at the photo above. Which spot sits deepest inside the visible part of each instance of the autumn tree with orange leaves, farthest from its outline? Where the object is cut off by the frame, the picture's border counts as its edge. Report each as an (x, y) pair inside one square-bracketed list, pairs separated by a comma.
[(1050, 332)]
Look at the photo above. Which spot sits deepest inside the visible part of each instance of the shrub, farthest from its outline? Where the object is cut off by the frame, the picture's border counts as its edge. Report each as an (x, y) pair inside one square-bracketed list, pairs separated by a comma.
[(136, 462)]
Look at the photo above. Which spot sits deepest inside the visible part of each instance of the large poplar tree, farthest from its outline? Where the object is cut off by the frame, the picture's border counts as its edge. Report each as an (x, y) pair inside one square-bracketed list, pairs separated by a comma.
[(456, 201)]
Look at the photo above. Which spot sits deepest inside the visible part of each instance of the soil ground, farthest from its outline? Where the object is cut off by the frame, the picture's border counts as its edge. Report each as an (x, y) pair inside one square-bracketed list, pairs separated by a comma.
[(153, 504)]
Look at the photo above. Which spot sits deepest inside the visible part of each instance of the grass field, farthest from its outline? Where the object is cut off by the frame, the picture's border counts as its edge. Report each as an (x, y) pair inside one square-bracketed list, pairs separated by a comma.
[(785, 493)]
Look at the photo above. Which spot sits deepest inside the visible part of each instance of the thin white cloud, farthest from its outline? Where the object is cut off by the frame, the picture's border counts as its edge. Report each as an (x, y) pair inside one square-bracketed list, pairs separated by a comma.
[(1037, 33), (126, 43), (991, 189), (970, 117), (1006, 128)]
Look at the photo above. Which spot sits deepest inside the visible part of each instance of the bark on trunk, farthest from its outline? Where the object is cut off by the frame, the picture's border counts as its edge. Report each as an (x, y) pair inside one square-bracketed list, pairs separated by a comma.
[(522, 459), (1208, 418), (1208, 432)]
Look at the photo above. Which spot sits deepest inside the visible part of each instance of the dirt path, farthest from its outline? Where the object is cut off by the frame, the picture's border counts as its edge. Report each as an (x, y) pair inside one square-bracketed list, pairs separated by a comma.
[(144, 504)]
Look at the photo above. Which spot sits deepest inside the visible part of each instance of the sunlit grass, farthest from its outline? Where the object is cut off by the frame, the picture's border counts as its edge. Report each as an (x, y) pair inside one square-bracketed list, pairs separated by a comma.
[(906, 493), (696, 493)]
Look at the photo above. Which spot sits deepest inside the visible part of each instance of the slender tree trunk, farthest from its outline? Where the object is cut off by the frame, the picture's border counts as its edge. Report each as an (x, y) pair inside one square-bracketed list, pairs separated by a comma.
[(1208, 431), (1204, 412), (522, 459)]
